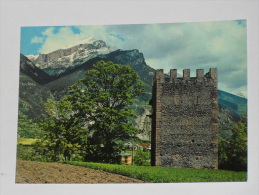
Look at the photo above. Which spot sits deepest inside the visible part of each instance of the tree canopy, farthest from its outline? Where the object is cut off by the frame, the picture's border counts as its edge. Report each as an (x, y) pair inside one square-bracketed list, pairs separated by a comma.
[(233, 152), (96, 114)]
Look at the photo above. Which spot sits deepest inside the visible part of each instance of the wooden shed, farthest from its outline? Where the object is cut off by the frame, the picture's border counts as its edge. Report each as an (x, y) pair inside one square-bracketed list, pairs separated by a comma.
[(126, 158)]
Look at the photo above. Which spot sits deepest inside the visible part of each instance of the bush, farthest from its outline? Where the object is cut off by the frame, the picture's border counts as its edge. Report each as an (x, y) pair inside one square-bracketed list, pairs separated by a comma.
[(24, 152), (142, 158), (233, 153)]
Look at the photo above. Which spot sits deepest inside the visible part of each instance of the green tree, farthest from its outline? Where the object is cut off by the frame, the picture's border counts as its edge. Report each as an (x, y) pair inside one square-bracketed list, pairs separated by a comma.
[(233, 153), (94, 117), (62, 134), (26, 127), (142, 158), (103, 99), (238, 147), (224, 154)]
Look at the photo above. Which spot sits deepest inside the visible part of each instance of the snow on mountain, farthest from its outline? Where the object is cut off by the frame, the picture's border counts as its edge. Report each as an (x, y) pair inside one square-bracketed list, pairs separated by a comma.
[(87, 40), (70, 56), (32, 57)]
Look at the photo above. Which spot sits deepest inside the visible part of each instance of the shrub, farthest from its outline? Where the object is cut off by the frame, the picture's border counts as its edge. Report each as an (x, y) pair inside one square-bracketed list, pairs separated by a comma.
[(142, 158), (233, 153)]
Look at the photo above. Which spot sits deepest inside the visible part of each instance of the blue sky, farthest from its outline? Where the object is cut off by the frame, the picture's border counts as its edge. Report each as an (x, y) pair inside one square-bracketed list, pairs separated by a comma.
[(30, 44), (220, 44)]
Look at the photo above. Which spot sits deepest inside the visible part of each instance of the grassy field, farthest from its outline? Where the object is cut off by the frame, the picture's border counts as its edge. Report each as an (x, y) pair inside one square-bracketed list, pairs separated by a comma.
[(167, 174)]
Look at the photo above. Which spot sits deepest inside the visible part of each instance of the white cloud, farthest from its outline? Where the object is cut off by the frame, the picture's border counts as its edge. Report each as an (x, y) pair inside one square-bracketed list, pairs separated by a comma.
[(36, 39), (61, 39), (193, 45), (181, 45), (48, 31)]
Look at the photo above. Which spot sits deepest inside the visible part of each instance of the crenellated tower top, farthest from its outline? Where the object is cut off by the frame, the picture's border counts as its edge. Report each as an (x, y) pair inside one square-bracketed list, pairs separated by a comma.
[(159, 75)]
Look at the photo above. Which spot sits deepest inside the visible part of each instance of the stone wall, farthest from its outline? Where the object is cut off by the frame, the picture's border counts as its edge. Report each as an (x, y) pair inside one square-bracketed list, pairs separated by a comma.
[(185, 120)]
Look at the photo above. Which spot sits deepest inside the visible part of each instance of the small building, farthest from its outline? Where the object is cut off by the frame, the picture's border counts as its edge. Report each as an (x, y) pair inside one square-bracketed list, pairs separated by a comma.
[(146, 146), (126, 158), (134, 147)]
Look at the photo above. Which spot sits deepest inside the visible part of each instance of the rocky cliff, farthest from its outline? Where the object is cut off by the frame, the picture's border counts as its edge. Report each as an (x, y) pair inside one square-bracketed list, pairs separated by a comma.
[(58, 61), (28, 68)]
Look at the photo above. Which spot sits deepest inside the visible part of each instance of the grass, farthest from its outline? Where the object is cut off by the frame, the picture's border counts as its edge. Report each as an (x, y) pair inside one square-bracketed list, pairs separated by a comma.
[(166, 174), (26, 141)]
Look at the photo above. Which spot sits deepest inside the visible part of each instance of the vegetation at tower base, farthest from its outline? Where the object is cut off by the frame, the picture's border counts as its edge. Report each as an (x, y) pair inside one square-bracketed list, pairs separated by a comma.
[(95, 115), (233, 152), (142, 158)]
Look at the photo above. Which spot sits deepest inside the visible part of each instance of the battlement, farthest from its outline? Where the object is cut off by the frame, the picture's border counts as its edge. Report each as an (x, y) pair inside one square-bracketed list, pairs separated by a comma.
[(159, 75)]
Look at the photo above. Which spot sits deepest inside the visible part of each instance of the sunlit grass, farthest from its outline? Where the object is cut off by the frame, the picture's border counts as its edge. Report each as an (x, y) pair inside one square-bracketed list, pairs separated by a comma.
[(167, 174)]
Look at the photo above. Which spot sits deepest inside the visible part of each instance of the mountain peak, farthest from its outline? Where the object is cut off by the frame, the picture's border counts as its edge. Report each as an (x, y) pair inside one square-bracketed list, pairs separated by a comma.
[(86, 40), (70, 56)]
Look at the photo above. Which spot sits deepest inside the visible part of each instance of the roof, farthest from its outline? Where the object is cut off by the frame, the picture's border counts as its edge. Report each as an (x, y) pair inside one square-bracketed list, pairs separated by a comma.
[(125, 154), (145, 145)]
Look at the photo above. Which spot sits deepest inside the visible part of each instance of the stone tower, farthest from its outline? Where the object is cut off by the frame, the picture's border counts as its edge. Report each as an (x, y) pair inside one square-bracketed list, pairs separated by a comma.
[(185, 120)]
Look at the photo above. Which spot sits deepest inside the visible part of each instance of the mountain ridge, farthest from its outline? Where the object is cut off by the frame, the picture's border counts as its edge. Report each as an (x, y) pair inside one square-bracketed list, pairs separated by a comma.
[(29, 68), (62, 59)]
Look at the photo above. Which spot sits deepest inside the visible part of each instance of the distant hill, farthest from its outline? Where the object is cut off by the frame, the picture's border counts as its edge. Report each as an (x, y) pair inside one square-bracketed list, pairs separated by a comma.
[(233, 102), (28, 68), (32, 89)]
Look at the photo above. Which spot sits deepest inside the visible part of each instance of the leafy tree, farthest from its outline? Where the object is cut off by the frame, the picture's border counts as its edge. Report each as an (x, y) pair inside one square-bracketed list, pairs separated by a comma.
[(223, 155), (62, 134), (24, 153), (142, 158), (26, 127), (103, 100), (233, 153), (94, 117), (243, 118), (238, 145)]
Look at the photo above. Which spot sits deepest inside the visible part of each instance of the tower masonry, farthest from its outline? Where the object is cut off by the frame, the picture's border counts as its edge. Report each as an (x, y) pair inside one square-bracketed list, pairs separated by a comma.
[(185, 119)]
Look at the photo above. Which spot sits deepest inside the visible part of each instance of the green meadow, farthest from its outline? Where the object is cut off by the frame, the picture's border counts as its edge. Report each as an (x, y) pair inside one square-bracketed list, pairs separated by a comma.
[(166, 174)]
